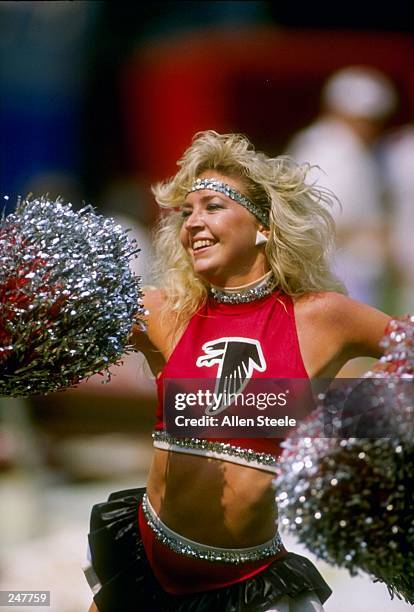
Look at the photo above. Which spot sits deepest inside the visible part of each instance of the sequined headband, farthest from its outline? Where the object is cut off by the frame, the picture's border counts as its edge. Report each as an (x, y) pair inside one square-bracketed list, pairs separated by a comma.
[(230, 192)]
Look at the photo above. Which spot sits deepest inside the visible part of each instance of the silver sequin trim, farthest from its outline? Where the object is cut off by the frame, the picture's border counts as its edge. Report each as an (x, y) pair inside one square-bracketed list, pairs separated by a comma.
[(209, 553), (230, 192), (247, 454), (244, 296)]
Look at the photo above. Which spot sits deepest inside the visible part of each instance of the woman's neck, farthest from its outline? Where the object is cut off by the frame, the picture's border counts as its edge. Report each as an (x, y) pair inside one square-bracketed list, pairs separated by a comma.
[(250, 285)]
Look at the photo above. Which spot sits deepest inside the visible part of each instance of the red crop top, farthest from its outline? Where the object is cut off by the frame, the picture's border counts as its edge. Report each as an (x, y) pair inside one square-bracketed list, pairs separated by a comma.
[(266, 327)]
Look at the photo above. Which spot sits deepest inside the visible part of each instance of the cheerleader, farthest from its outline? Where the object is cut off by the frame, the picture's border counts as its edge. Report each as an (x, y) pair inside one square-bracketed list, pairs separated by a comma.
[(245, 291)]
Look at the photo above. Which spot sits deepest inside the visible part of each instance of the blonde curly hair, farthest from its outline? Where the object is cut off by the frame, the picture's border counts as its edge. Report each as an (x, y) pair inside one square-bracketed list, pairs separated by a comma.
[(302, 230)]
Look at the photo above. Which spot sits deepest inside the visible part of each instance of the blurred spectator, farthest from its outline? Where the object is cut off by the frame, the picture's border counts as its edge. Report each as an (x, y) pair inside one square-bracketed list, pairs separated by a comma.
[(397, 158), (356, 101)]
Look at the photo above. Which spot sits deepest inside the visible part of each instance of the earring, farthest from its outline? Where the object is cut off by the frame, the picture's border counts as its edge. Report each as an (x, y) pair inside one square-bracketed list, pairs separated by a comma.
[(260, 238)]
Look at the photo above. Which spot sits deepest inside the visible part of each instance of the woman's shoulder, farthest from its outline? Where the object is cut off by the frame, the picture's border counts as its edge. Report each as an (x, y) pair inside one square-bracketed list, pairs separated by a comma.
[(154, 300), (334, 305), (321, 308), (338, 318), (320, 305)]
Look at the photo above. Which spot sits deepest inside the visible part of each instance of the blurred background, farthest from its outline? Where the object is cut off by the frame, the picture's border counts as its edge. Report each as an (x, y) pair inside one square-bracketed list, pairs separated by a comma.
[(97, 101)]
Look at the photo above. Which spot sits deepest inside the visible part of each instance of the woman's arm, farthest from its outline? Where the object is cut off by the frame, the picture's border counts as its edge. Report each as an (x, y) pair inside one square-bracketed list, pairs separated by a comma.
[(333, 328), (362, 327), (152, 343)]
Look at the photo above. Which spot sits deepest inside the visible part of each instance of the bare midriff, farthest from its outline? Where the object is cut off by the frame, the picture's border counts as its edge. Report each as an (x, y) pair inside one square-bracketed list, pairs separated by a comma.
[(212, 501)]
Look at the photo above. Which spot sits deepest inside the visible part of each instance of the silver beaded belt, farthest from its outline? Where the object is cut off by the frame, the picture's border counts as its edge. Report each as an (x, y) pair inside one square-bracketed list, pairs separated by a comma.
[(189, 548)]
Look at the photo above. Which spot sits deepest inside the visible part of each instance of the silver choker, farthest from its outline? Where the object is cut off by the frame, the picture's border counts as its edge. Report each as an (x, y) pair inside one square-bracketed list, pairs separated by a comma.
[(247, 293)]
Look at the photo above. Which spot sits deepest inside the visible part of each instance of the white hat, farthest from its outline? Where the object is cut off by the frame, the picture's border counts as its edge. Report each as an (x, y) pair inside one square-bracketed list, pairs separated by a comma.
[(360, 91)]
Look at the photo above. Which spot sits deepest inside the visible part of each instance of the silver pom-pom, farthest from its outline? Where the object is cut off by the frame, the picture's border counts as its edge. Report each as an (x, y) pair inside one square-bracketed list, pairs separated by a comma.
[(67, 296), (350, 500)]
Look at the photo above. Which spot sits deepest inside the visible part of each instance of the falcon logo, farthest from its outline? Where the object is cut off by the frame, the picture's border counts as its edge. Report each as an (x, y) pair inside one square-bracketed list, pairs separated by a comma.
[(237, 358)]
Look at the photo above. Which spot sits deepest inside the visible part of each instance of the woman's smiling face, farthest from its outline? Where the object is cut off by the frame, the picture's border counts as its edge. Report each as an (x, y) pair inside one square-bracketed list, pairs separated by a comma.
[(219, 234)]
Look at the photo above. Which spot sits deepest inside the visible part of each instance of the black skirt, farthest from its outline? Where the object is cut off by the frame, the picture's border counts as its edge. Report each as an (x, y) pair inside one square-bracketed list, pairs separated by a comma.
[(121, 567)]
